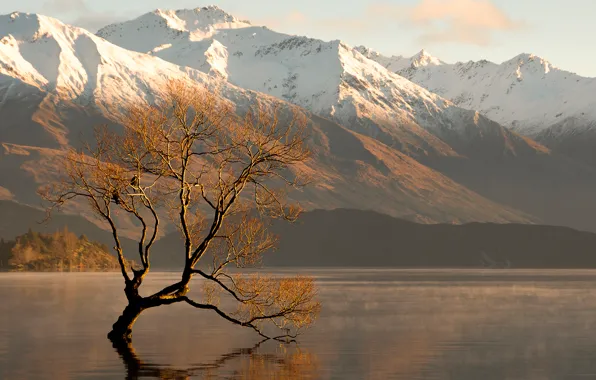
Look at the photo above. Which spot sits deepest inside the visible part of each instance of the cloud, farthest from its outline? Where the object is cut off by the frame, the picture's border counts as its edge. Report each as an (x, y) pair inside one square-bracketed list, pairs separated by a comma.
[(463, 21), (78, 13), (474, 22)]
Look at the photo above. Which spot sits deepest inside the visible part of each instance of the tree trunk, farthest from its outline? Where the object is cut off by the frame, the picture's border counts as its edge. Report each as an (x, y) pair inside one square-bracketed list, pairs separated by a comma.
[(122, 329)]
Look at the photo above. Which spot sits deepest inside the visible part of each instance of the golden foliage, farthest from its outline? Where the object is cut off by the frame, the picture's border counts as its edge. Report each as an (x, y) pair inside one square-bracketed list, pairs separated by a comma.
[(289, 302)]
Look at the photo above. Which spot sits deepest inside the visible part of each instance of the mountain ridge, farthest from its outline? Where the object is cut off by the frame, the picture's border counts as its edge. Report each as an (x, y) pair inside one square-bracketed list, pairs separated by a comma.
[(341, 237), (330, 79), (336, 81), (525, 93), (380, 141), (93, 80), (366, 239)]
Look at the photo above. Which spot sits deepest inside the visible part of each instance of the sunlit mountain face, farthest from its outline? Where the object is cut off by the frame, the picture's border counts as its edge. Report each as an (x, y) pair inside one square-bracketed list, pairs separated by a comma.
[(381, 139), (526, 94)]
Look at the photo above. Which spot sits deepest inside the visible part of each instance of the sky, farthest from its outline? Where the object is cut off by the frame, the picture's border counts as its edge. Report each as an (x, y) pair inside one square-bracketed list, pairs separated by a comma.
[(563, 32)]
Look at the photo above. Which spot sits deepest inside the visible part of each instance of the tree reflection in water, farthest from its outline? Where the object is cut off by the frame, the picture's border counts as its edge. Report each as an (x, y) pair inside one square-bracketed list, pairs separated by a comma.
[(288, 361)]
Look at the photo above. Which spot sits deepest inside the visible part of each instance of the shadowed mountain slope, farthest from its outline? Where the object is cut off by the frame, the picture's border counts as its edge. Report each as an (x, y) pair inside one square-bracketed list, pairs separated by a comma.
[(350, 238), (354, 238)]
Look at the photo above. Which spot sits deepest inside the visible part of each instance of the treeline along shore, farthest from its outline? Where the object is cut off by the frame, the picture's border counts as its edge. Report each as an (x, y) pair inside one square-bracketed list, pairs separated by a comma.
[(61, 251)]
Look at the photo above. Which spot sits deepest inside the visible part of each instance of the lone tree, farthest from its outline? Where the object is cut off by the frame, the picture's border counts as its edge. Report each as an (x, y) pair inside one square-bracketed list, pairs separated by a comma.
[(216, 175)]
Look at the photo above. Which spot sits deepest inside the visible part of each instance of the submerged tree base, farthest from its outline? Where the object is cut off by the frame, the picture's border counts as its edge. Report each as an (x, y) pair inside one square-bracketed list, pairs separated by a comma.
[(120, 337), (122, 329)]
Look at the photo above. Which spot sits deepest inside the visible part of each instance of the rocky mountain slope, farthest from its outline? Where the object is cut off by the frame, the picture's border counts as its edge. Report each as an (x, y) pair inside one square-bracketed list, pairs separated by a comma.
[(368, 239), (354, 87), (57, 82), (357, 238), (379, 141)]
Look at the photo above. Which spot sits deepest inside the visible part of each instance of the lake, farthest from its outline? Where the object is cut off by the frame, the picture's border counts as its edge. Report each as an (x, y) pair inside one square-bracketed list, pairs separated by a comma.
[(375, 324)]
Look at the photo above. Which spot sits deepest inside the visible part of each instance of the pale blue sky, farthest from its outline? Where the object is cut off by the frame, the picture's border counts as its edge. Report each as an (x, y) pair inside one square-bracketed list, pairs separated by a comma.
[(563, 32)]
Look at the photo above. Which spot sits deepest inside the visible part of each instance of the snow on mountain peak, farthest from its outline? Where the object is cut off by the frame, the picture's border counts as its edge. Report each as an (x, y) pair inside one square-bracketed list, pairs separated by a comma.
[(399, 63), (53, 57), (423, 58), (329, 78), (421, 54), (41, 51), (199, 18), (162, 27), (526, 93), (393, 63), (367, 52), (27, 25), (530, 62)]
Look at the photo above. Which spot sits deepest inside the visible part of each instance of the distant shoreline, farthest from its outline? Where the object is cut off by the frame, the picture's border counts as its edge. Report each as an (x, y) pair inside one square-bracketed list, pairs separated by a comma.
[(86, 270)]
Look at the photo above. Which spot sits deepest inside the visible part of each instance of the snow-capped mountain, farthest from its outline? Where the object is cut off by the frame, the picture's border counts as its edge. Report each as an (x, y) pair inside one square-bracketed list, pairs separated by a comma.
[(526, 93), (45, 54), (46, 62), (352, 87), (58, 82), (398, 63), (330, 79), (379, 141)]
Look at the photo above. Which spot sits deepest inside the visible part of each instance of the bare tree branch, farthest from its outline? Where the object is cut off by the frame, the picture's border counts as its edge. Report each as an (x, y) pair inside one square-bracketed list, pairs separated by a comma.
[(217, 174)]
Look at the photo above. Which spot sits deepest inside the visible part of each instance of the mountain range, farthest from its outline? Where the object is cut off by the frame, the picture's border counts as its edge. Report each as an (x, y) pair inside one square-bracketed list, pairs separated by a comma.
[(382, 138), (526, 94)]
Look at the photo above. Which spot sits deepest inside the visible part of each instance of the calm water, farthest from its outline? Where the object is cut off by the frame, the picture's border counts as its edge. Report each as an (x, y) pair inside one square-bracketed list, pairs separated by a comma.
[(385, 324)]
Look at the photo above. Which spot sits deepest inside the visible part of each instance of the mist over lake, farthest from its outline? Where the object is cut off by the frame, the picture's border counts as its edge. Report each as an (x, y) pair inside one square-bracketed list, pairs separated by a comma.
[(375, 324)]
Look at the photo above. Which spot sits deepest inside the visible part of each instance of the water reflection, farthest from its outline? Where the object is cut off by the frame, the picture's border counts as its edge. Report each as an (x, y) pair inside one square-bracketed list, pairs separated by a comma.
[(404, 325), (288, 362)]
